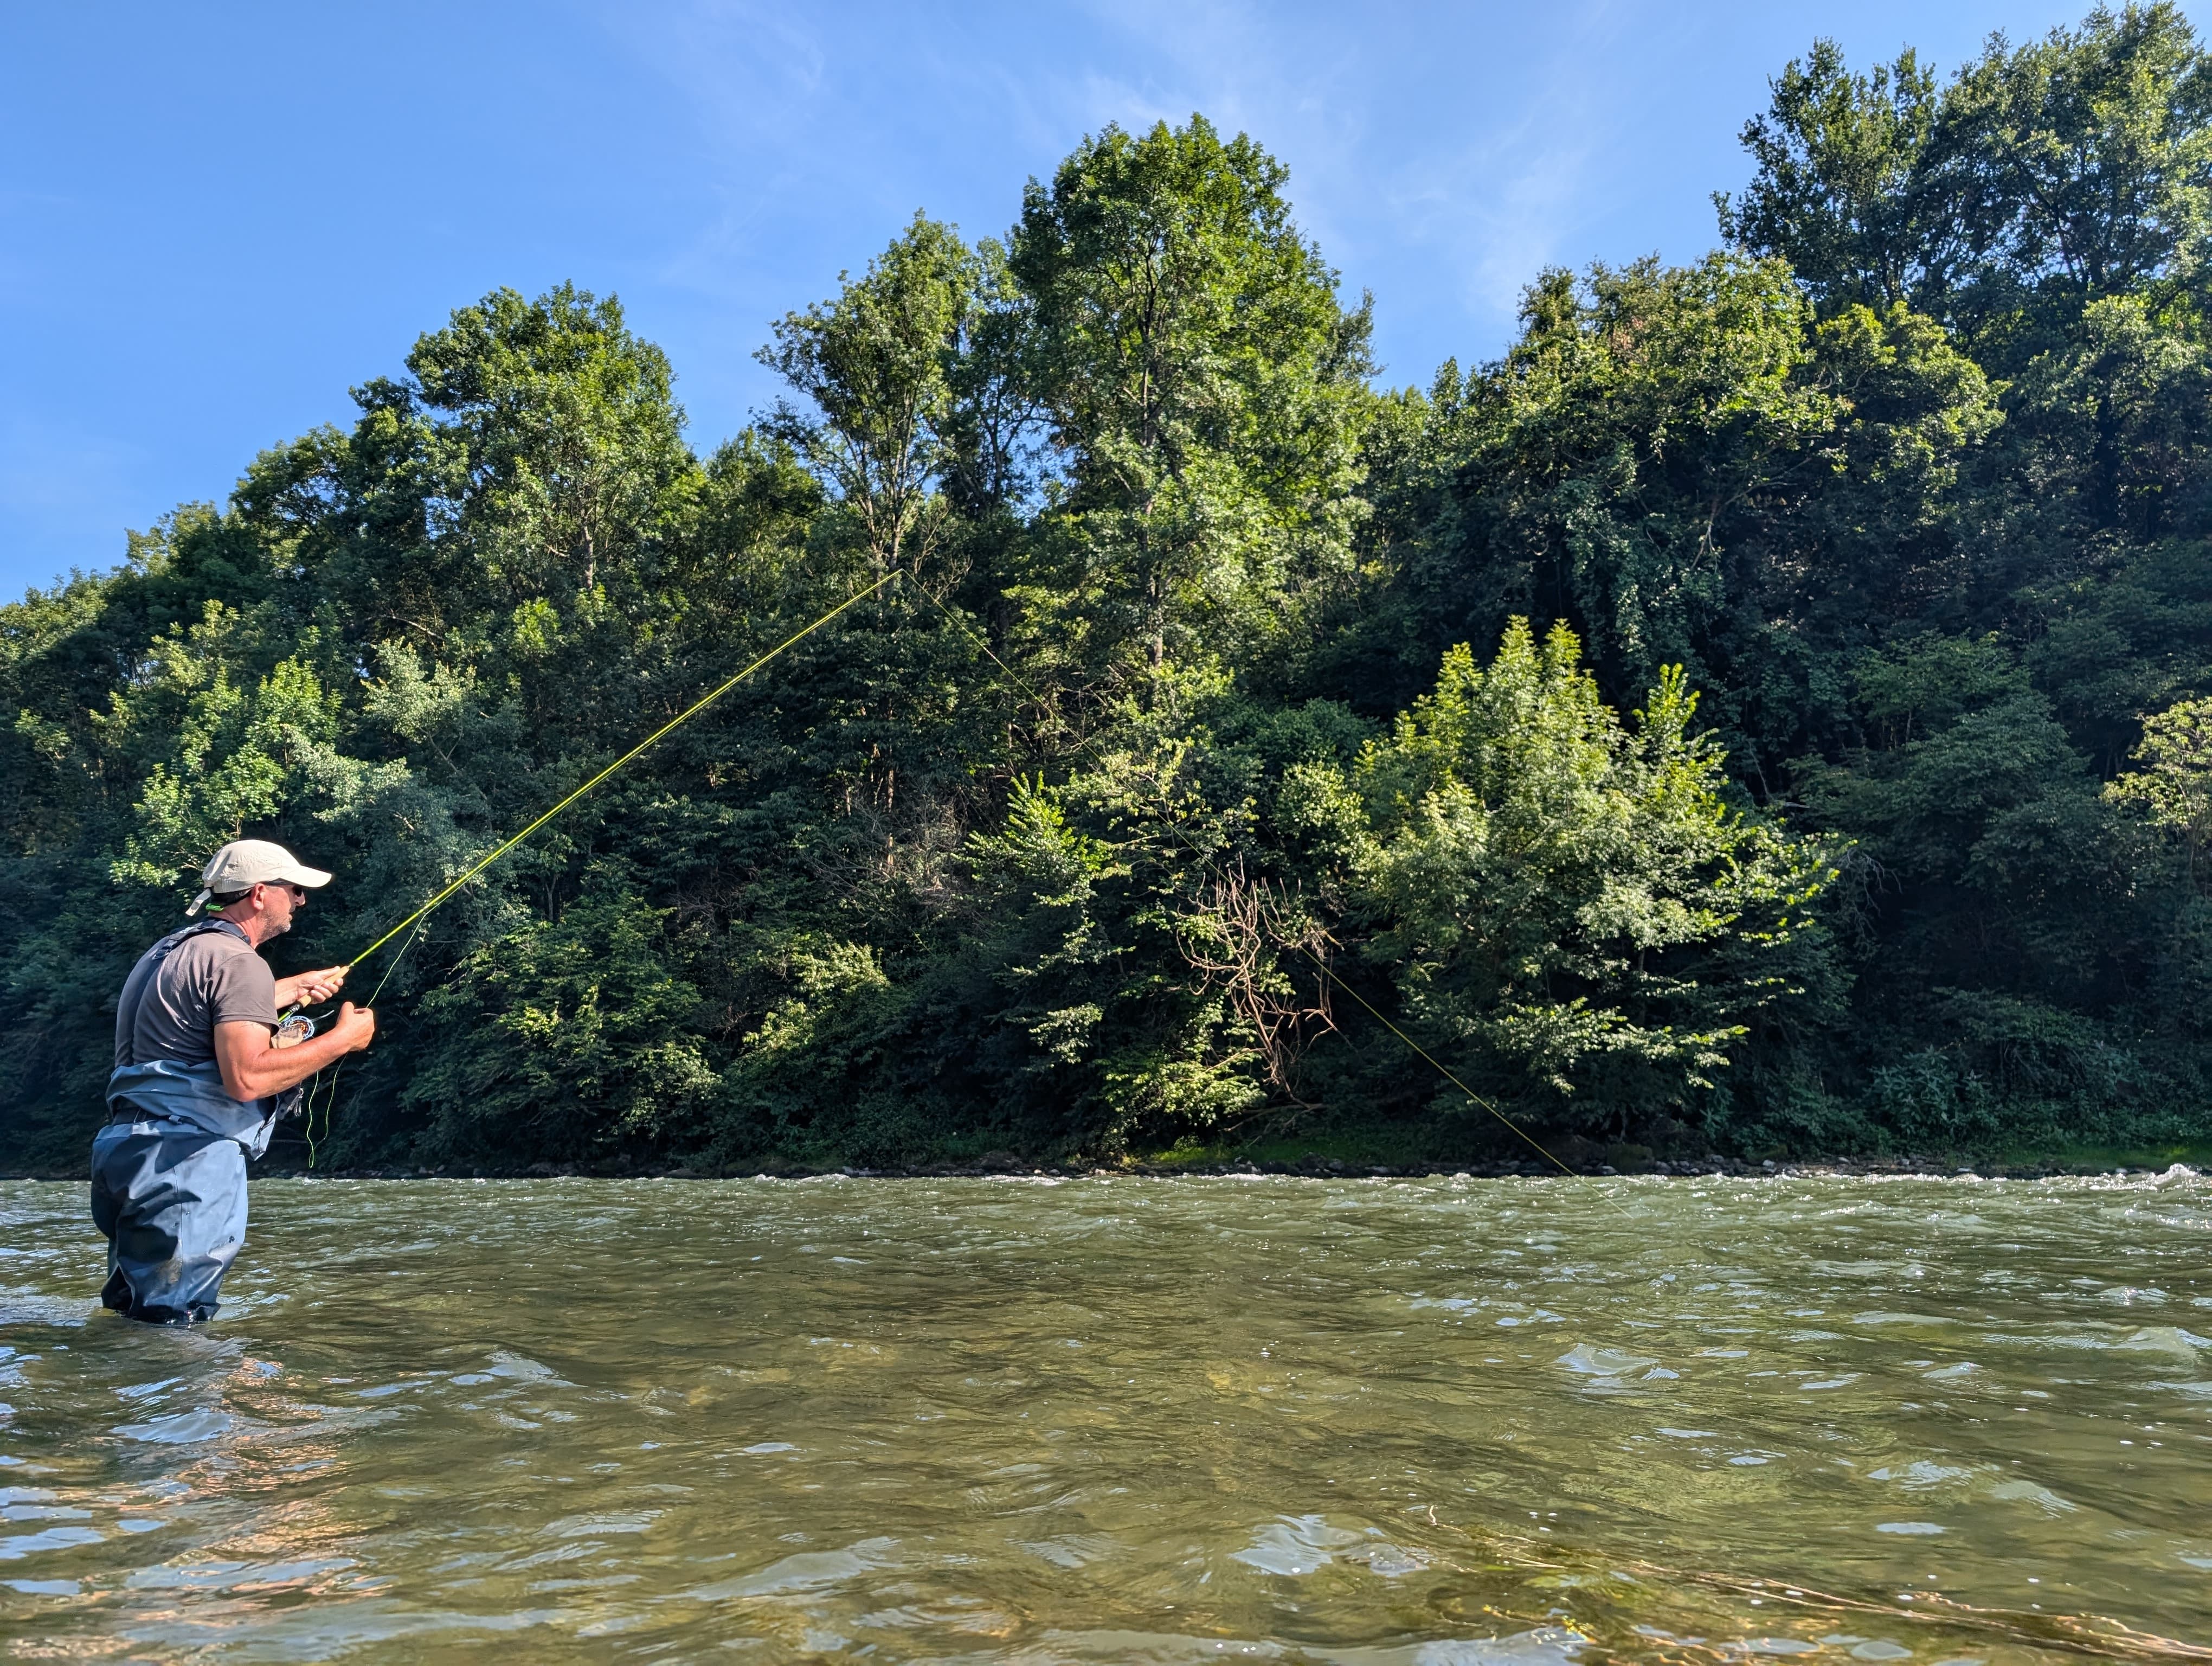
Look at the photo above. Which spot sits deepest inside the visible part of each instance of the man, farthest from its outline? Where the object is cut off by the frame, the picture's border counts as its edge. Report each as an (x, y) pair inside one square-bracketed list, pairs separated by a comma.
[(201, 1073)]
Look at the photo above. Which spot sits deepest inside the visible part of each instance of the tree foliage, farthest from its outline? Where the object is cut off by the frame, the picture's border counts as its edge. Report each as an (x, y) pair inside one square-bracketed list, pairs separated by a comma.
[(1574, 903), (2045, 176), (1763, 710)]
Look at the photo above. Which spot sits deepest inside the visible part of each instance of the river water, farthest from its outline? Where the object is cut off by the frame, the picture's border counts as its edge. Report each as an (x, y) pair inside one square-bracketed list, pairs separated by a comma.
[(1383, 1423)]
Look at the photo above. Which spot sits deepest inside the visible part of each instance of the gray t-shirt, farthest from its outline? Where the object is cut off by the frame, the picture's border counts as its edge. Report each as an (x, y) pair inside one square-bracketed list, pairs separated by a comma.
[(171, 1003)]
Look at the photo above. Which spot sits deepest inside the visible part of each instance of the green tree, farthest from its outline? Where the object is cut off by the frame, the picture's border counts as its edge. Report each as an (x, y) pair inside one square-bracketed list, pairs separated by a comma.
[(1203, 387), (1838, 192), (878, 365), (1690, 467), (1571, 908), (2174, 783), (2045, 176), (2011, 924), (2082, 162)]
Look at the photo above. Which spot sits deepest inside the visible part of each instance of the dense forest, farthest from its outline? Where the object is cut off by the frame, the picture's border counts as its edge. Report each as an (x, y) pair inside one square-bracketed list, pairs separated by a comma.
[(1767, 710)]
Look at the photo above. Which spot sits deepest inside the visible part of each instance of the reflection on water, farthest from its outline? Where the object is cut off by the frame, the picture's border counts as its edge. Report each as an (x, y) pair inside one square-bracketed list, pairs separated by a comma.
[(1386, 1423)]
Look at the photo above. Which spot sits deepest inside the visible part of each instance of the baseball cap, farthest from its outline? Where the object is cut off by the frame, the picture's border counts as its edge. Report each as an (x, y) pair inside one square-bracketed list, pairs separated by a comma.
[(244, 863)]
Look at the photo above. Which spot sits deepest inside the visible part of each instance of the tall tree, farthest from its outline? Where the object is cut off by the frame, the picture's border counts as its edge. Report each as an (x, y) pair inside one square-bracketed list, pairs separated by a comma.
[(2082, 164), (1836, 193), (1204, 388), (876, 367), (2045, 177)]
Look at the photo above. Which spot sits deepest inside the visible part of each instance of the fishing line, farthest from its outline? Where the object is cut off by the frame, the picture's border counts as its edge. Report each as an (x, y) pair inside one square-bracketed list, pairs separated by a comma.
[(1435, 1063), (422, 914), (1325, 970), (331, 1094), (634, 752)]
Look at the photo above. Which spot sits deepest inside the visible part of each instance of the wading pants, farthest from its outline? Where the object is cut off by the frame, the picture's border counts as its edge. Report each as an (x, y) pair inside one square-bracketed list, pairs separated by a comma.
[(170, 1199)]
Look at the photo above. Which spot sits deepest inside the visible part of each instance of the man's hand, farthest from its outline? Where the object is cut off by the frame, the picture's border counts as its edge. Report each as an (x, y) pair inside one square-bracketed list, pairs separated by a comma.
[(306, 989), (253, 1068), (356, 1027)]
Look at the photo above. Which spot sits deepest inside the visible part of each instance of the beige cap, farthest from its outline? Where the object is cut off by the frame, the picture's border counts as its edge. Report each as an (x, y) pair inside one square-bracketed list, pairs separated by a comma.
[(244, 863)]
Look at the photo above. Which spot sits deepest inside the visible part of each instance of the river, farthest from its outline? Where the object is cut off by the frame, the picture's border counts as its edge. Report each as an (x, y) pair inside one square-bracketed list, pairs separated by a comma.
[(1384, 1423)]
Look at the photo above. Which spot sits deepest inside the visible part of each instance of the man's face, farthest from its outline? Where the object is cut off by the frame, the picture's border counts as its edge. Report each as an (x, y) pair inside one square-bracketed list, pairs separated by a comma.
[(279, 902)]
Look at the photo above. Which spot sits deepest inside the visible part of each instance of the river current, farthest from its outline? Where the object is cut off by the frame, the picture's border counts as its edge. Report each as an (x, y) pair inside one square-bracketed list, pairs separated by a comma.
[(1382, 1423)]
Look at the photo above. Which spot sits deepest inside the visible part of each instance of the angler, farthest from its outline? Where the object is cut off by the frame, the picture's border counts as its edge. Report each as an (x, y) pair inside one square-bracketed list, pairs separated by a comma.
[(204, 1068)]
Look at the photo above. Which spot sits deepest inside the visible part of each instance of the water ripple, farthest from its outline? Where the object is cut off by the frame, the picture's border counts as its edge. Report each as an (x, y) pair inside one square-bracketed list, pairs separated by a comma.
[(1378, 1423)]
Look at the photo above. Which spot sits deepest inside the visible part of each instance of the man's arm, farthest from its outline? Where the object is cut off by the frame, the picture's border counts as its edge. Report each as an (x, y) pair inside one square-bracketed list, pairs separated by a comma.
[(253, 1069), (310, 988)]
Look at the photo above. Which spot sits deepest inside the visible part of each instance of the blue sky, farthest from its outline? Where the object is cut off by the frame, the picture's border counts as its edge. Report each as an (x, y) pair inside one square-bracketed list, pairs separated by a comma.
[(215, 220)]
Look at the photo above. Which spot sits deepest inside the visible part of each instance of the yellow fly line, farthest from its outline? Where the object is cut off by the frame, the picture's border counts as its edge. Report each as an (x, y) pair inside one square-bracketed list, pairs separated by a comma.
[(1436, 1063), (329, 1095), (634, 752)]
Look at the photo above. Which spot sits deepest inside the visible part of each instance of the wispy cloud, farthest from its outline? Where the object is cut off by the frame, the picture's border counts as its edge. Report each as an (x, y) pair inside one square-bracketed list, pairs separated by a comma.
[(1472, 150), (1442, 156)]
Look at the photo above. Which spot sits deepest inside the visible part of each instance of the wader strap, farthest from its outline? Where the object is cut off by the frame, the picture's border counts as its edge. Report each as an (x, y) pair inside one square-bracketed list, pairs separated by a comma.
[(162, 952), (281, 1104)]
